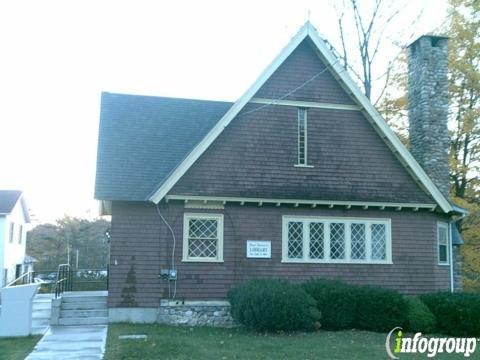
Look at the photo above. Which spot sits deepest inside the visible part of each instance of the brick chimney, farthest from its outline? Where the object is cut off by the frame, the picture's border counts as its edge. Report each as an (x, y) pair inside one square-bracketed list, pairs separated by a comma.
[(428, 107)]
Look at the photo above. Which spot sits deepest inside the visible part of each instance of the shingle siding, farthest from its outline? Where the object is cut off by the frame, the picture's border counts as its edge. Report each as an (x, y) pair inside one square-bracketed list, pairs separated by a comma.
[(255, 155), (301, 66), (137, 232)]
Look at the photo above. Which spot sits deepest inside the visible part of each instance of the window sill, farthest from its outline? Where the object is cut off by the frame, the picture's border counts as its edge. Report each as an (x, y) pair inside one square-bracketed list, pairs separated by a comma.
[(203, 260), (337, 262), (443, 264), (303, 166)]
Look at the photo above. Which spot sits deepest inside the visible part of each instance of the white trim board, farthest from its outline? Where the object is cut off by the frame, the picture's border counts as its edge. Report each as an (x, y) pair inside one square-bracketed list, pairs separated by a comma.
[(307, 31), (331, 203), (305, 104)]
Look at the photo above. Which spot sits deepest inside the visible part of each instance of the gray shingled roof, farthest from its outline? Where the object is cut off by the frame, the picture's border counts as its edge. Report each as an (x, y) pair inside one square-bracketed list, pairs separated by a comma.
[(143, 138), (8, 199)]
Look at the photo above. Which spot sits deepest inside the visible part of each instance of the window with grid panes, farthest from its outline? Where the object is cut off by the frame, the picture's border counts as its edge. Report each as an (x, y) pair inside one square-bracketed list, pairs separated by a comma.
[(203, 237), (325, 239)]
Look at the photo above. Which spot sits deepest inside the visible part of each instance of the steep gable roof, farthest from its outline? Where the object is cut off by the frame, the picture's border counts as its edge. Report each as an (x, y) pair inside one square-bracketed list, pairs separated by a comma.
[(143, 138), (308, 32), (8, 200)]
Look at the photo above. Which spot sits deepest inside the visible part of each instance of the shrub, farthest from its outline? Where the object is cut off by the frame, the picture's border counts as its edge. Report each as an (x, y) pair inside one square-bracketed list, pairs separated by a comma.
[(457, 314), (336, 302), (379, 309), (419, 316), (273, 305), (345, 306)]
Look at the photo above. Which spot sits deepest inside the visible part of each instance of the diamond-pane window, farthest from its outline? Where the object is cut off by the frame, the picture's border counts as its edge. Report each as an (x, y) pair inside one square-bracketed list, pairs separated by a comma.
[(341, 240), (357, 232), (337, 240), (316, 240), (295, 240), (203, 238), (379, 238)]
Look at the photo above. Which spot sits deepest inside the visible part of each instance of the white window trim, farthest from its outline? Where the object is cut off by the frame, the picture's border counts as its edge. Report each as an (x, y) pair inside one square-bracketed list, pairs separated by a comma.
[(186, 218), (20, 234), (11, 235), (327, 220), (305, 140), (443, 225)]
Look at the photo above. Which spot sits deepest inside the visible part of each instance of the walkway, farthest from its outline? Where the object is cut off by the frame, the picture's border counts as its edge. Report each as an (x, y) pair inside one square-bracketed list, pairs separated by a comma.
[(85, 342), (82, 332)]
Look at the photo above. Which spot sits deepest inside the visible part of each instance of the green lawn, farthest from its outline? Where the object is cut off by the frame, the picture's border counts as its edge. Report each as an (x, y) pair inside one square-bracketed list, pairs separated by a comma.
[(17, 348), (171, 342)]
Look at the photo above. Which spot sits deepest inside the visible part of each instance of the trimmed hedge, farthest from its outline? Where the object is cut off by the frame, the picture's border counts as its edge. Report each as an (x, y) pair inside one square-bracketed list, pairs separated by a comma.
[(273, 305), (336, 302), (419, 316), (457, 314), (345, 306), (379, 309), (277, 305)]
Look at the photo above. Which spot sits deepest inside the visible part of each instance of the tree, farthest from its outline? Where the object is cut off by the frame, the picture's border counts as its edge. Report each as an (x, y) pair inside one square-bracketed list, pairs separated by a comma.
[(470, 251), (464, 90), (54, 244), (368, 25), (464, 122), (464, 61)]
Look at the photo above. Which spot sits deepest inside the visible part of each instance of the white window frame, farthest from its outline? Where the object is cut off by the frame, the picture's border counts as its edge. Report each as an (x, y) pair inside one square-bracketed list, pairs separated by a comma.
[(327, 221), (20, 234), (11, 235), (443, 225), (186, 221)]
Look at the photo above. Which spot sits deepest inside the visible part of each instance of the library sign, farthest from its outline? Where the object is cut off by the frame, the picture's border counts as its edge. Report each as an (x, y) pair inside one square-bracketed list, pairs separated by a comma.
[(259, 249)]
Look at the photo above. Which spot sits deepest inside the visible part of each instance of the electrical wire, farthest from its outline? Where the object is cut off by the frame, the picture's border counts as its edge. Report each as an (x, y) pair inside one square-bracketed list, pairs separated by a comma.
[(242, 114), (173, 251), (291, 91)]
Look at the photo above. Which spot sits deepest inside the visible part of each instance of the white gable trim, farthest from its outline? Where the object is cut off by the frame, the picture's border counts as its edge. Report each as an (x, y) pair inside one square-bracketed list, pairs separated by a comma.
[(178, 172), (339, 72)]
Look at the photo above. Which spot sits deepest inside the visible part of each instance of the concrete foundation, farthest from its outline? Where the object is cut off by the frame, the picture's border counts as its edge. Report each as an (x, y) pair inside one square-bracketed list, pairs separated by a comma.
[(133, 315)]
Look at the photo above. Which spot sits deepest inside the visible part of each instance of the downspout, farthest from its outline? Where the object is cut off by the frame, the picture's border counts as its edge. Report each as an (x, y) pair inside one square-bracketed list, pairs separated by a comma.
[(452, 223)]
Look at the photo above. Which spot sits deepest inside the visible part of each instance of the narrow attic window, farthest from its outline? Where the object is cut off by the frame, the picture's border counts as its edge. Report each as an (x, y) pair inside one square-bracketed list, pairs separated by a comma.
[(302, 137)]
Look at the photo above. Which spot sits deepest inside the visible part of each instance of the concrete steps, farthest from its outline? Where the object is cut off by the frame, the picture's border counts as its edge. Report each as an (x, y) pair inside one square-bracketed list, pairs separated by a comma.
[(41, 312), (84, 308), (74, 321), (83, 313)]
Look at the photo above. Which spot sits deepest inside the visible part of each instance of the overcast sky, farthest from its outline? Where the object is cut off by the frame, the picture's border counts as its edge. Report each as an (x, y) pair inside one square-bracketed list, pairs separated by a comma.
[(58, 56)]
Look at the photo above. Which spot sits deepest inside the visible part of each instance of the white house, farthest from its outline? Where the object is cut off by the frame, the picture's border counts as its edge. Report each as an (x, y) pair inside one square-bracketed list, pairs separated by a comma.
[(14, 220)]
